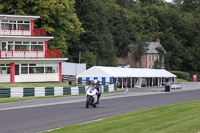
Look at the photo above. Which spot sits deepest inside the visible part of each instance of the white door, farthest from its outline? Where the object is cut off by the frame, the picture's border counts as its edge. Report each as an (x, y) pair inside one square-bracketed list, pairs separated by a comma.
[(17, 72)]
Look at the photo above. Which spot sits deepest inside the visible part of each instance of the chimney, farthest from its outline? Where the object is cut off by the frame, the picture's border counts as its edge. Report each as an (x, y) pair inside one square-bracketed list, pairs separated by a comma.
[(158, 40)]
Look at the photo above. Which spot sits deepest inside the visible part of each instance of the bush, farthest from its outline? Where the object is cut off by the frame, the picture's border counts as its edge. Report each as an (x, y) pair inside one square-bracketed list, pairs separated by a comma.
[(181, 74)]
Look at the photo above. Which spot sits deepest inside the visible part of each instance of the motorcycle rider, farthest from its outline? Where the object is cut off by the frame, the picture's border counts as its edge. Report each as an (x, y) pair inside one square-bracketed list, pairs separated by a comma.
[(98, 87)]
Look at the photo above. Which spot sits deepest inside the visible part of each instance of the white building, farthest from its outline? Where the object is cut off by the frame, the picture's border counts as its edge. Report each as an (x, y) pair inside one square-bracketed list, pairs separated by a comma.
[(73, 68), (24, 53)]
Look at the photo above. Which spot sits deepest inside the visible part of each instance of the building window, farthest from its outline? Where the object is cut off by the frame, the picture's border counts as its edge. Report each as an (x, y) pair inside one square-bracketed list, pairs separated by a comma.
[(10, 46), (152, 57), (19, 25), (36, 70), (39, 68), (157, 57), (51, 68), (24, 68), (19, 46), (37, 46), (149, 57), (4, 68), (23, 26)]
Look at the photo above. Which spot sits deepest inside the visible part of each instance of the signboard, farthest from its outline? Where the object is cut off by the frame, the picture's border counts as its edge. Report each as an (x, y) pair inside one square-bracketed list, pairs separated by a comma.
[(194, 78)]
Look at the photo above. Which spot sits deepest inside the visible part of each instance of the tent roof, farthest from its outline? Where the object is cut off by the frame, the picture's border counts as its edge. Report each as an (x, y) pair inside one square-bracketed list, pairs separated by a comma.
[(100, 71)]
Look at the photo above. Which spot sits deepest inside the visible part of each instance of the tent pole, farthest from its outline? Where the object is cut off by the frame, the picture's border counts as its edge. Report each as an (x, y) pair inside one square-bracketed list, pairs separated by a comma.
[(126, 82), (146, 82), (134, 82), (131, 83), (122, 83)]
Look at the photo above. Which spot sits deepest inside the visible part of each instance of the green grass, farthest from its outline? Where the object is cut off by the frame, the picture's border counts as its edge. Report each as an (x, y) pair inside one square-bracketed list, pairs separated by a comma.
[(181, 80), (117, 91), (56, 84), (19, 99), (177, 118)]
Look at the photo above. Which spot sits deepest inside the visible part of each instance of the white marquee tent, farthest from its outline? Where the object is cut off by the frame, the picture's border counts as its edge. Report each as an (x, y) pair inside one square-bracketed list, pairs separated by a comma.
[(100, 71), (127, 74)]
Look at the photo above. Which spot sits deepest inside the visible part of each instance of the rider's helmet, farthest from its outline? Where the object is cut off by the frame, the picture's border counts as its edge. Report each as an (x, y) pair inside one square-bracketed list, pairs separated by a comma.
[(95, 81)]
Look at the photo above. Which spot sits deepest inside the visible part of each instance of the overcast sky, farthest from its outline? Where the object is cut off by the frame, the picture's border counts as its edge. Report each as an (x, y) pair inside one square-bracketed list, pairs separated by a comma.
[(168, 0)]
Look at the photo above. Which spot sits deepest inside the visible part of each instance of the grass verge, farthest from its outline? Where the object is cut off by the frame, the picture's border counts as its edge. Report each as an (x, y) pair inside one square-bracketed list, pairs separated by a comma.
[(19, 99), (177, 118), (117, 91)]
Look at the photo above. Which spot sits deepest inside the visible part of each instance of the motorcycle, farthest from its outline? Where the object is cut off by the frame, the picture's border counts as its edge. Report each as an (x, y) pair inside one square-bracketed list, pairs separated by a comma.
[(91, 94)]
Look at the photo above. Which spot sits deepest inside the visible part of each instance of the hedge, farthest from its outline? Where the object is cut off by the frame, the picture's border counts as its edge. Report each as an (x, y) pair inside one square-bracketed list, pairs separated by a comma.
[(181, 74)]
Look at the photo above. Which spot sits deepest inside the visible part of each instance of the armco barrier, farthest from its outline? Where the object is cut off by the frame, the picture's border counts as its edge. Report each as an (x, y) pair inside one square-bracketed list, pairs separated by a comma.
[(5, 92), (105, 88), (81, 89), (58, 91), (66, 90), (48, 91), (29, 92), (39, 91)]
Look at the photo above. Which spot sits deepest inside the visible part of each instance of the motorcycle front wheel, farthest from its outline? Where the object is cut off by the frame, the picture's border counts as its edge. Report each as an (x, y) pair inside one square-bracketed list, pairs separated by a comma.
[(87, 102)]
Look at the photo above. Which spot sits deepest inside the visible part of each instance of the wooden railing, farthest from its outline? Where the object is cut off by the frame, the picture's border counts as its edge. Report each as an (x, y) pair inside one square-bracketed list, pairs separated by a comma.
[(22, 31), (30, 54)]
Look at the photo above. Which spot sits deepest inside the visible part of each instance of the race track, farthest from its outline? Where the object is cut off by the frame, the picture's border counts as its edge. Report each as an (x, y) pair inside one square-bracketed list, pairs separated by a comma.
[(41, 118)]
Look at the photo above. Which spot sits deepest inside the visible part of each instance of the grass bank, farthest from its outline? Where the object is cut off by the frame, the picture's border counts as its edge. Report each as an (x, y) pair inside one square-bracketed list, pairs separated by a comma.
[(19, 99), (177, 118), (55, 84)]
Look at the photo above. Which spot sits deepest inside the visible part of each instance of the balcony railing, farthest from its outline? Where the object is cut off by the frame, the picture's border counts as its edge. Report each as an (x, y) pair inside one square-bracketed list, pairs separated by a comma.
[(22, 31), (30, 54)]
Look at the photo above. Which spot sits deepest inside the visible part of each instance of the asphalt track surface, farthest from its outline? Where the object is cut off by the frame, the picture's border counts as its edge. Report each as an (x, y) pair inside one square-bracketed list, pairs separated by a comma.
[(36, 119)]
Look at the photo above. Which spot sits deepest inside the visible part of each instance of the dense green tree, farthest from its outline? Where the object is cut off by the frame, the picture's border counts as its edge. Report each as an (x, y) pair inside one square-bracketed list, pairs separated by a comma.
[(139, 47), (97, 37), (112, 25), (58, 17)]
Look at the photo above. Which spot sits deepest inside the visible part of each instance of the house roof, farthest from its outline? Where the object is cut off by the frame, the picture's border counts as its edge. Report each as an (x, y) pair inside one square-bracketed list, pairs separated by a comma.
[(18, 17), (100, 71), (152, 47), (26, 38)]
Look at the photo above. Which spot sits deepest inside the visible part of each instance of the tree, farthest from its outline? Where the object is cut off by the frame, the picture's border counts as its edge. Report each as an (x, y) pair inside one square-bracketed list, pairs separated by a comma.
[(139, 47), (159, 63), (58, 17), (97, 39)]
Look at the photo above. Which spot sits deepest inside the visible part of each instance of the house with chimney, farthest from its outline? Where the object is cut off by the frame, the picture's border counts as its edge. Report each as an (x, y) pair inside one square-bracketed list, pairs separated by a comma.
[(24, 53), (150, 59)]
